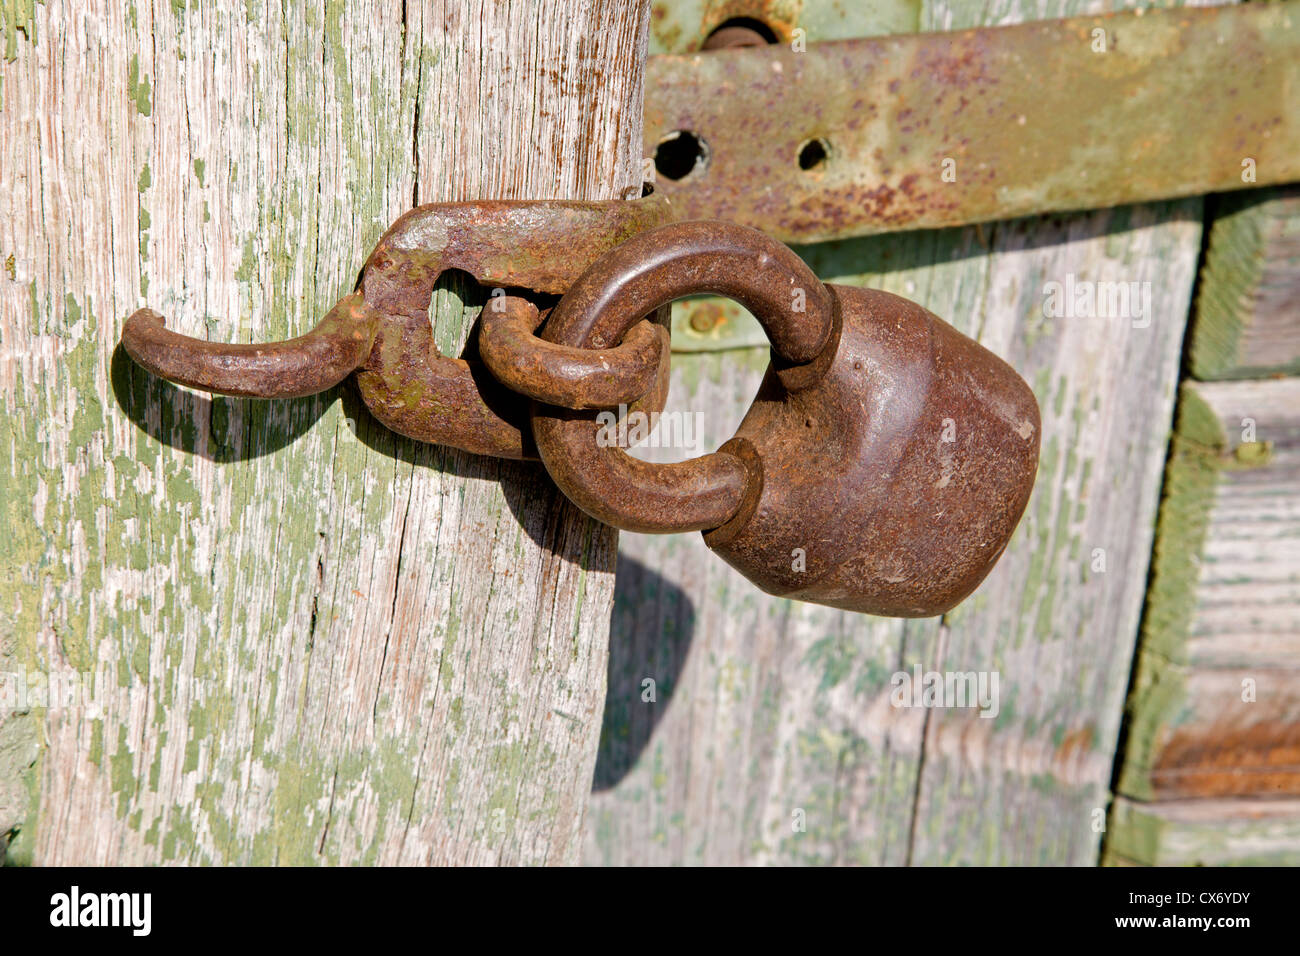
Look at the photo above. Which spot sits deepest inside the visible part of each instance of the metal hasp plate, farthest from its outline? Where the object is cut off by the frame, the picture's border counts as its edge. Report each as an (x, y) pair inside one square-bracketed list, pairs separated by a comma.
[(381, 335), (1039, 117)]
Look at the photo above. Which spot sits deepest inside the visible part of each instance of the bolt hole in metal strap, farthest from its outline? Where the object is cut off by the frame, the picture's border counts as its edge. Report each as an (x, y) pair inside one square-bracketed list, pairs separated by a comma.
[(646, 272)]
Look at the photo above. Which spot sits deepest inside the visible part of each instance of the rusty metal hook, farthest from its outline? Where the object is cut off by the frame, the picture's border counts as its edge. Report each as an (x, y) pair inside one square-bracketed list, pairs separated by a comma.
[(305, 365), (382, 334)]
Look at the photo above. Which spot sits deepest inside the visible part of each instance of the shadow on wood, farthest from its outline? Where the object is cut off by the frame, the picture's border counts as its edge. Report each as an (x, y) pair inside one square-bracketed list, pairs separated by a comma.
[(899, 252), (237, 429), (645, 663)]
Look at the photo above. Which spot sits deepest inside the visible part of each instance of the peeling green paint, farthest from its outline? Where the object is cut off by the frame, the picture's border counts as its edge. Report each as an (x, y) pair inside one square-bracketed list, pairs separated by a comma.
[(138, 87), (17, 17), (142, 186), (246, 271), (20, 757)]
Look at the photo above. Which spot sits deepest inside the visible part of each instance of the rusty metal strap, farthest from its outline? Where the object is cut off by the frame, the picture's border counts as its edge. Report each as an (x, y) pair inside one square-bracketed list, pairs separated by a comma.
[(903, 132)]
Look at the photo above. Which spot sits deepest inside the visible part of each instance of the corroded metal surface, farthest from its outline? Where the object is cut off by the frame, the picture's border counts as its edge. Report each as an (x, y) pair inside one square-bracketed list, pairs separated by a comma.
[(883, 466), (561, 375), (646, 272), (1031, 118), (893, 482), (542, 245), (308, 364), (383, 334)]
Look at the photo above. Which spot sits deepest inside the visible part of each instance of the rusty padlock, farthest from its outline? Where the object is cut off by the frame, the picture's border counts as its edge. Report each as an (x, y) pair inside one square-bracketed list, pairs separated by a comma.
[(883, 466)]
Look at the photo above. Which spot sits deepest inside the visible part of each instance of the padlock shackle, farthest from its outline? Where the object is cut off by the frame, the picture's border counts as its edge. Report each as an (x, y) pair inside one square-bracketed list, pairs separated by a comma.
[(687, 258), (646, 272)]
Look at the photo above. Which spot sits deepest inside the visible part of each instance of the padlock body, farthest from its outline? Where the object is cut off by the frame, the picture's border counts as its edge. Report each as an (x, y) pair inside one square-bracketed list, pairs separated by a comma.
[(892, 483)]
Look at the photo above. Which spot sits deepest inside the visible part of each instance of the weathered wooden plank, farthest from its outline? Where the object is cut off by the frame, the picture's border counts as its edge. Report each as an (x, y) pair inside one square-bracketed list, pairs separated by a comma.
[(1215, 708), (1211, 761), (752, 743), (1205, 833), (305, 639), (774, 708), (1059, 617), (1246, 324)]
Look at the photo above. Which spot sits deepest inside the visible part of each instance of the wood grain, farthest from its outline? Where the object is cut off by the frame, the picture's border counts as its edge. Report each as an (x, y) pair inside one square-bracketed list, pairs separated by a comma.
[(300, 638), (1205, 833), (772, 737), (1210, 764), (1246, 324), (1215, 709)]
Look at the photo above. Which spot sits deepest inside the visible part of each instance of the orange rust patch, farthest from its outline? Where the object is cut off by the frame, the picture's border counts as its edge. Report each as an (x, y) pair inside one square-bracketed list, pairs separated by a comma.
[(1262, 759), (1076, 744), (707, 316)]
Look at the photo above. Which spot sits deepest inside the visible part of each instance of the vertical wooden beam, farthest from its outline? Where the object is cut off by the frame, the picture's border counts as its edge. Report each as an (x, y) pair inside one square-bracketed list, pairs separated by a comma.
[(296, 637), (1214, 713), (1208, 774)]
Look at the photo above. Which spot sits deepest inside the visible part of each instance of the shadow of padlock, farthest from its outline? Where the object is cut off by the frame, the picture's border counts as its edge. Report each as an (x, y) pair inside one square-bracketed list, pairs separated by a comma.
[(883, 466)]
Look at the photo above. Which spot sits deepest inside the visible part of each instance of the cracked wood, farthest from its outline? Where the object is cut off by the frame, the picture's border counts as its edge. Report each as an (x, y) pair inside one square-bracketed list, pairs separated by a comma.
[(308, 640)]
